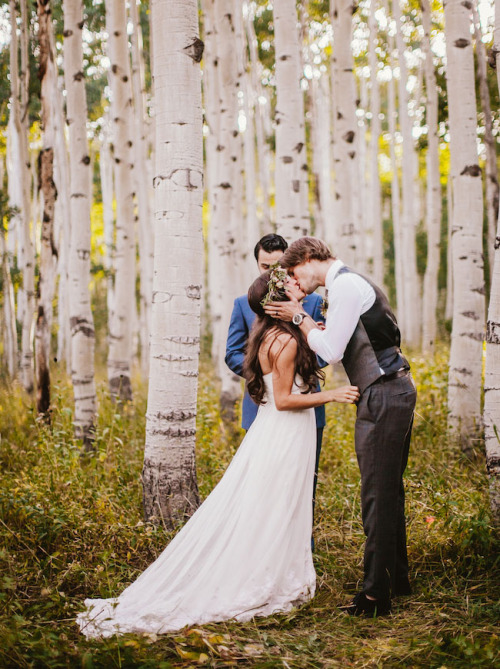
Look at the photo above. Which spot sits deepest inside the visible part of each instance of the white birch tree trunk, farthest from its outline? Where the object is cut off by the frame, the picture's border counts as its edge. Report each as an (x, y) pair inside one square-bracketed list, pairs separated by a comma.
[(242, 122), (212, 120), (19, 112), (291, 178), (62, 225), (345, 130), (169, 473), (14, 185), (409, 310), (227, 212), (374, 211), (491, 176), (120, 335), (263, 158), (48, 251), (80, 313), (9, 307), (9, 313), (144, 188), (250, 174), (433, 194), (13, 244), (464, 385), (251, 230), (322, 154), (395, 192), (492, 369), (448, 310), (106, 174), (360, 206)]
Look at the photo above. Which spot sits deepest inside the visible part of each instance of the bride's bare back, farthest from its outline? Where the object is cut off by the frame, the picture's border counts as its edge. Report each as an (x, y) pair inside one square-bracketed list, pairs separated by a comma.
[(277, 354)]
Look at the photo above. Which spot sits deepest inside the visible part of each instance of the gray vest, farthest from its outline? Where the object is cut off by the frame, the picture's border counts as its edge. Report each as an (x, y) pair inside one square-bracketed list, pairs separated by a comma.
[(364, 359)]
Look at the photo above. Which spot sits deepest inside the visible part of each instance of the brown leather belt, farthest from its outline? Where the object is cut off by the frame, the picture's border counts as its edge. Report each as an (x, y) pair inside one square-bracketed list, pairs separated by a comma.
[(394, 375)]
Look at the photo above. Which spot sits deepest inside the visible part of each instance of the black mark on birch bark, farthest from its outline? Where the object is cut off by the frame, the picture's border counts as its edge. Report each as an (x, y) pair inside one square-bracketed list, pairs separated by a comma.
[(82, 326), (189, 341), (174, 357), (492, 57), (493, 332), (175, 414), (193, 292), (187, 173), (471, 170), (477, 336), (464, 371)]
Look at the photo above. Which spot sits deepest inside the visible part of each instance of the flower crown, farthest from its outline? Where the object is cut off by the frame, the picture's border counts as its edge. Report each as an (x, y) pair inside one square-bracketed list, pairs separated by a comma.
[(275, 285)]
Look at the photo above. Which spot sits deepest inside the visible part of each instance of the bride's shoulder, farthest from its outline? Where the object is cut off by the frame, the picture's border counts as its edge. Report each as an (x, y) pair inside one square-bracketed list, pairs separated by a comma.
[(277, 340)]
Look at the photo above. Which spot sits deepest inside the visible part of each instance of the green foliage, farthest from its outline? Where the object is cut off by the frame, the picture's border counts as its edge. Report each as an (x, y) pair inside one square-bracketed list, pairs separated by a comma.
[(71, 527)]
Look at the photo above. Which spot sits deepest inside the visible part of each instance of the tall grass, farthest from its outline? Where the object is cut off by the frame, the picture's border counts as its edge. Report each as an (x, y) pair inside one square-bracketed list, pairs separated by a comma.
[(71, 527)]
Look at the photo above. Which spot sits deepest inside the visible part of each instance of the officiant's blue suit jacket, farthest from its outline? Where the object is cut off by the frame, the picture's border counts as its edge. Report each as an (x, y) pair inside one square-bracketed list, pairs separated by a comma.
[(242, 319)]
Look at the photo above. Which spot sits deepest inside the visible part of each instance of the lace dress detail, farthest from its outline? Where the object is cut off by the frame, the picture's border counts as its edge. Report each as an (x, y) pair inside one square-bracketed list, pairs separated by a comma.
[(245, 552)]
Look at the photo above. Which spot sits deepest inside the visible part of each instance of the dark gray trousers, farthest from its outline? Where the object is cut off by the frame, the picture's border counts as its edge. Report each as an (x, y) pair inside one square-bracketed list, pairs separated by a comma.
[(382, 441)]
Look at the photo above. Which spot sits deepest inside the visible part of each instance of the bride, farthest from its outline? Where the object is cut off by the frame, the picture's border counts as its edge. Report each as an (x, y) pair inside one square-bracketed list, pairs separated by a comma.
[(246, 551)]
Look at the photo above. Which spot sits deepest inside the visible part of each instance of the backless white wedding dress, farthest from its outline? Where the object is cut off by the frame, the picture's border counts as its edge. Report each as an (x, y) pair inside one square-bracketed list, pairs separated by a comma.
[(245, 552)]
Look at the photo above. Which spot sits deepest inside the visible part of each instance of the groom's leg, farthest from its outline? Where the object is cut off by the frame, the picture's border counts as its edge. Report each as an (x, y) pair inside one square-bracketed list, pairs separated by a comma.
[(400, 583), (383, 425)]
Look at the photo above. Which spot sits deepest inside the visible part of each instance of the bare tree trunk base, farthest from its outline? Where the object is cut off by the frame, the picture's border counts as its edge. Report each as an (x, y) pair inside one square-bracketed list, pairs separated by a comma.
[(120, 388), (472, 443), (169, 497), (228, 407), (86, 434), (493, 467)]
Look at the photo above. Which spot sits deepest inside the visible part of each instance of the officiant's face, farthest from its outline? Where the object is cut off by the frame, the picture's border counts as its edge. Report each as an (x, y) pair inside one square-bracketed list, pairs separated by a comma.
[(265, 259), (304, 276)]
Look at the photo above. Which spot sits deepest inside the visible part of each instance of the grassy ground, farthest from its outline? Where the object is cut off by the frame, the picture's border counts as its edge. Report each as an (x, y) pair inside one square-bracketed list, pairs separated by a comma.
[(71, 529)]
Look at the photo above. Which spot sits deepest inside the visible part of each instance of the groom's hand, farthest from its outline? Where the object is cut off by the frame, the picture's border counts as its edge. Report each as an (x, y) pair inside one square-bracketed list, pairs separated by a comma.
[(284, 311)]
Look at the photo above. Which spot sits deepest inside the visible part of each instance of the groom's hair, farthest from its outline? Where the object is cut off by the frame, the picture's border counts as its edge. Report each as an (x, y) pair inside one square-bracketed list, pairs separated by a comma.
[(304, 249), (270, 243)]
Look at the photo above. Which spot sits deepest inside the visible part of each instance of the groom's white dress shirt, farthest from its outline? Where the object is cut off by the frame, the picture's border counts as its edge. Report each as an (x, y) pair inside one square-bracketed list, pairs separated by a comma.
[(349, 296)]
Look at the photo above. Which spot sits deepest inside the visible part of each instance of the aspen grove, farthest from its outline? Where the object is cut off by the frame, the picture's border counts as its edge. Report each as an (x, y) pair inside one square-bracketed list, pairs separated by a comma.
[(145, 148)]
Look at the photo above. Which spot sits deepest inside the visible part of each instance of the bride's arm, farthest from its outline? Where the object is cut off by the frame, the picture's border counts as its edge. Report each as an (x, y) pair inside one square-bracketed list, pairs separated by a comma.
[(282, 354)]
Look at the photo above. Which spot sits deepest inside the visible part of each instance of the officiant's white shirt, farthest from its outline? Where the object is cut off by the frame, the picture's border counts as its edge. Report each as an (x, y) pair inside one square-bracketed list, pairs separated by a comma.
[(349, 296)]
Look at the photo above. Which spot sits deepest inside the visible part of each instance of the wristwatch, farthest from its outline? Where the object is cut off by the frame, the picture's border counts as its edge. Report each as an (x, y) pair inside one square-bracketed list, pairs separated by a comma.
[(298, 318)]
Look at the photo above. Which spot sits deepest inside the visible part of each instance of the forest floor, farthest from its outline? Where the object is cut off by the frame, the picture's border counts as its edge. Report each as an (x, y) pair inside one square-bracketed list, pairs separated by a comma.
[(72, 528)]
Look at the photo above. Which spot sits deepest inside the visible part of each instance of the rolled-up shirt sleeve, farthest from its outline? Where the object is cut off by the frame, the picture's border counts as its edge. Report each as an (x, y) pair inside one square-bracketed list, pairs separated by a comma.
[(346, 303)]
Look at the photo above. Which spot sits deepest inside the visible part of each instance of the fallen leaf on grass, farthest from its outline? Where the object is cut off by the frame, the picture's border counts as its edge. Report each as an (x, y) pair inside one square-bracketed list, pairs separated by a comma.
[(253, 649)]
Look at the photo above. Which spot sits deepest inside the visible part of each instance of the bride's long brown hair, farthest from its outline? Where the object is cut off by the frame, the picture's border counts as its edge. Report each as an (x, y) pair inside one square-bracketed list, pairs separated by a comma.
[(306, 363)]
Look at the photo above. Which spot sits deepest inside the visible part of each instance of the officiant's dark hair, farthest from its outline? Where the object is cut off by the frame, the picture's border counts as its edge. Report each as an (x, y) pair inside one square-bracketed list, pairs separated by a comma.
[(306, 363), (271, 242), (304, 249)]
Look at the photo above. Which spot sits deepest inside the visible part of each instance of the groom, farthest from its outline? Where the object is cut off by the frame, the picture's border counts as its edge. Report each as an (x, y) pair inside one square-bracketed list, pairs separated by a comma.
[(361, 330)]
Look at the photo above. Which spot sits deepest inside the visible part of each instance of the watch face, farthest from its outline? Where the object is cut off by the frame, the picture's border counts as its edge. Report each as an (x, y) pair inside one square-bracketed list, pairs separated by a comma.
[(297, 319)]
